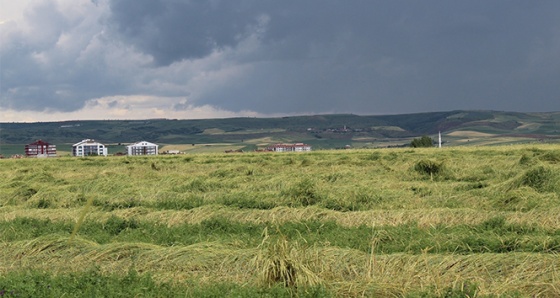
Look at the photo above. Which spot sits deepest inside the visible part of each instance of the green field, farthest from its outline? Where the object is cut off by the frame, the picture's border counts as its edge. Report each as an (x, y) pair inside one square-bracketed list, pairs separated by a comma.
[(452, 222)]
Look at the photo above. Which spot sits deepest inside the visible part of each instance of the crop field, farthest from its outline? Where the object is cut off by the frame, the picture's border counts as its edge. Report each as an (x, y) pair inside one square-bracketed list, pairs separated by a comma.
[(450, 222)]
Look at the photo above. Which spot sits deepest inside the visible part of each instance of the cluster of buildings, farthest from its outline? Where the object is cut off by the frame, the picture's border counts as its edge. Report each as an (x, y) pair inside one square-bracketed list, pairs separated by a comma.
[(297, 147), (88, 147)]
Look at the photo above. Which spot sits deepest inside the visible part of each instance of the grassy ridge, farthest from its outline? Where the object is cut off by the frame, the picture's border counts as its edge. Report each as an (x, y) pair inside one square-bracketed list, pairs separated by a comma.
[(320, 131), (400, 222)]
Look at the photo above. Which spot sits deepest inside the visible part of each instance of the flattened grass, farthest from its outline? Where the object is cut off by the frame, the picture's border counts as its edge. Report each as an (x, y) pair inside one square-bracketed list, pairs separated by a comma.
[(340, 223), (340, 271), (494, 235)]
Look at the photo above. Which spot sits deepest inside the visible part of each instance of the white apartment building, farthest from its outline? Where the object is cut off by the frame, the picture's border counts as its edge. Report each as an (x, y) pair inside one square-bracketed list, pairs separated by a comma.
[(297, 147), (89, 147), (142, 148)]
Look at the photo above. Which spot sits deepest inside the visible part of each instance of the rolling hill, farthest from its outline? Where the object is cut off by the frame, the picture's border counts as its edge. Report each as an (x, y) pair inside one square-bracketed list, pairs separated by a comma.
[(321, 131)]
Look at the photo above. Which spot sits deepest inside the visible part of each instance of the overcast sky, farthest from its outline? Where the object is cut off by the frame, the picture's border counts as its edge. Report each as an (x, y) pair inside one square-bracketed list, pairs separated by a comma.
[(186, 59)]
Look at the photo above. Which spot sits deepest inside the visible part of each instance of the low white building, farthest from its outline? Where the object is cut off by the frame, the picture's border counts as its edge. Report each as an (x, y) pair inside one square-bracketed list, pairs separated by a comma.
[(89, 147), (297, 147), (142, 148)]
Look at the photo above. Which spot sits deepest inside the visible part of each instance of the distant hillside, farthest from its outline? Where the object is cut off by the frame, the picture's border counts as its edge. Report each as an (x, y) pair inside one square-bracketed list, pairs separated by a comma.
[(324, 131)]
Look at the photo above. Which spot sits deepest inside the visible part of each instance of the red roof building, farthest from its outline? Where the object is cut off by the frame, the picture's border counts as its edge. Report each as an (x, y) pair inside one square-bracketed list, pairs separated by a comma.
[(40, 149)]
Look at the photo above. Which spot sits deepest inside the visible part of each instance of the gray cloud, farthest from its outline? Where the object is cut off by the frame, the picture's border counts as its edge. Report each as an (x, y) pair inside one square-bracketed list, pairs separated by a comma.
[(174, 30), (287, 56), (40, 67)]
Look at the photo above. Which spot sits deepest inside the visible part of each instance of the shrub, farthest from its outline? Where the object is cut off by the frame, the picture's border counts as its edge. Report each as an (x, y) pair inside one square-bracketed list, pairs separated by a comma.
[(424, 141)]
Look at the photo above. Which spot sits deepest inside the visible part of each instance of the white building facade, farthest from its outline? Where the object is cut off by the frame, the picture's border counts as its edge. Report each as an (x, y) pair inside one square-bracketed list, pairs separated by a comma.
[(89, 147), (142, 148), (297, 147)]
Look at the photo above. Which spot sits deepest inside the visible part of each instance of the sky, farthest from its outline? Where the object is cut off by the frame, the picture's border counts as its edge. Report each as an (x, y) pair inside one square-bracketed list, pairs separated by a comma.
[(193, 59)]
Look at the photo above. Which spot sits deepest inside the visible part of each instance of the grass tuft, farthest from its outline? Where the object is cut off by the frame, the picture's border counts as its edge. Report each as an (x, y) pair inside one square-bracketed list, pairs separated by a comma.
[(429, 167), (280, 261), (541, 178), (304, 193)]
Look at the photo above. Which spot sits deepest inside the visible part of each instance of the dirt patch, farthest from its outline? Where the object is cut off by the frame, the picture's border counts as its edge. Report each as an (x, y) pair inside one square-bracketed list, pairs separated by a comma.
[(470, 134)]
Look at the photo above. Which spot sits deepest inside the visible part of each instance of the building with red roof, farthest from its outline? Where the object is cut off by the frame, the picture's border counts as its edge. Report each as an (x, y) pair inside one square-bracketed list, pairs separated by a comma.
[(40, 148)]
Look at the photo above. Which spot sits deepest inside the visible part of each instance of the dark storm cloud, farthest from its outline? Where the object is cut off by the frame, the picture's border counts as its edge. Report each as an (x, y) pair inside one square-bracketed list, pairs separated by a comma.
[(174, 30), (304, 56), (40, 67), (355, 55)]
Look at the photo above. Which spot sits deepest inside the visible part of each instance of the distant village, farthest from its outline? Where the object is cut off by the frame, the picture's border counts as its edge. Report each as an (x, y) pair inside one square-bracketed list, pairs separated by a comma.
[(90, 147)]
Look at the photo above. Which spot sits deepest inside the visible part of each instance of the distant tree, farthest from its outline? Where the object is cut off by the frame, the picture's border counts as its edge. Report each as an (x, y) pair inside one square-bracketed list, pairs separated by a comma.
[(424, 141)]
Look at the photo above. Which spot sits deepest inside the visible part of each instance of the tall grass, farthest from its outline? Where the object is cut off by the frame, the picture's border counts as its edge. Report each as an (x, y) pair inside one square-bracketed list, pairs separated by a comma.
[(446, 223), (284, 263)]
